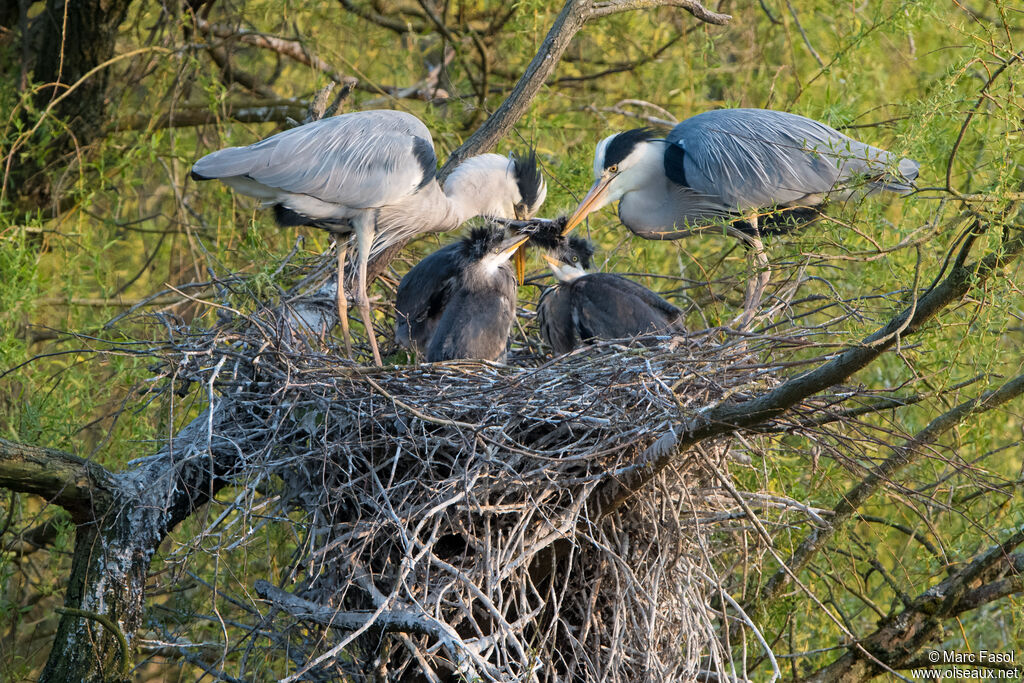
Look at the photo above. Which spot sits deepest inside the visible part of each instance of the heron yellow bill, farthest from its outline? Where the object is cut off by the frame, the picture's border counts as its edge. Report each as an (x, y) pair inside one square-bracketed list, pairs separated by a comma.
[(511, 244), (554, 263), (520, 261), (594, 200)]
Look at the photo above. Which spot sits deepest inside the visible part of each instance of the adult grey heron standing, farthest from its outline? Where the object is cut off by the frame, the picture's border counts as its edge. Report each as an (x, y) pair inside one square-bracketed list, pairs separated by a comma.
[(472, 297), (727, 167), (371, 174), (582, 306)]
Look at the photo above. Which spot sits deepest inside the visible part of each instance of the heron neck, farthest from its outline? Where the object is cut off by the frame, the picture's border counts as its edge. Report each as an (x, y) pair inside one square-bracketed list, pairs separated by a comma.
[(461, 206), (480, 189)]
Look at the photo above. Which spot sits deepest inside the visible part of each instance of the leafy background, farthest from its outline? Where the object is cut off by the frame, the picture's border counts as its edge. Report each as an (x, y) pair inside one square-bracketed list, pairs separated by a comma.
[(125, 222)]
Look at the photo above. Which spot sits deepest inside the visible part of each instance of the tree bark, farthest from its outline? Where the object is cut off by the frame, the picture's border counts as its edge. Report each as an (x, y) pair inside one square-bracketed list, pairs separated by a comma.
[(72, 39), (112, 555), (77, 485)]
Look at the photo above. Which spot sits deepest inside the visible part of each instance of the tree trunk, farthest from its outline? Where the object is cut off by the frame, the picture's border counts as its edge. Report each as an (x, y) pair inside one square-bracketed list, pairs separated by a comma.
[(105, 600), (72, 38)]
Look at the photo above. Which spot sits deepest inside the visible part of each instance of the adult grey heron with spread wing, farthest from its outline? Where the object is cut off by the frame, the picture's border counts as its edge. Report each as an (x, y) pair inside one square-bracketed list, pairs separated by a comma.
[(463, 297), (370, 174), (726, 167), (582, 306)]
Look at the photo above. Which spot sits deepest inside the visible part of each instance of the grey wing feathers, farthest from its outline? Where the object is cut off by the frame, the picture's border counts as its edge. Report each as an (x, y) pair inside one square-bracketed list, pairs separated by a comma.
[(476, 324), (422, 296), (608, 306), (649, 298), (752, 158), (554, 315), (359, 160)]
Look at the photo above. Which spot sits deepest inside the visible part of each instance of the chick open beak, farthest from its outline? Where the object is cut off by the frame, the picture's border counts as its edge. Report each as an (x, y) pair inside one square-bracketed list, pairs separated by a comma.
[(554, 263), (593, 200)]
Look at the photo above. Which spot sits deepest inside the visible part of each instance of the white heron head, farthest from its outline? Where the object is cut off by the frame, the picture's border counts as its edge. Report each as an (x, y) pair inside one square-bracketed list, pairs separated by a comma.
[(622, 163), (496, 186)]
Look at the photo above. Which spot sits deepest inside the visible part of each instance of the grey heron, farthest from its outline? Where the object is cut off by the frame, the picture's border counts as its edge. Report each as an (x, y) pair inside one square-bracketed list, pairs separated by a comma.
[(371, 174), (463, 297), (724, 168), (583, 306)]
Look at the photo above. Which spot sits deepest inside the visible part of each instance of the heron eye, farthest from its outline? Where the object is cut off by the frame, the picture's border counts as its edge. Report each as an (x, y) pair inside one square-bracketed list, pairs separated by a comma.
[(497, 251), (613, 168), (575, 259)]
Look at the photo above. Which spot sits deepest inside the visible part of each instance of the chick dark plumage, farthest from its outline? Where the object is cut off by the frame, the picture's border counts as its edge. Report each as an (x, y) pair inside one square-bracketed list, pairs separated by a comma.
[(582, 307), (459, 302)]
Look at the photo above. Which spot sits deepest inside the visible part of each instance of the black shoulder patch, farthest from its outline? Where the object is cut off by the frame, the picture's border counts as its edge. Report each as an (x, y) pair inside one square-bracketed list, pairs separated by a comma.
[(528, 177), (287, 218), (674, 164), (424, 153), (622, 144), (195, 176)]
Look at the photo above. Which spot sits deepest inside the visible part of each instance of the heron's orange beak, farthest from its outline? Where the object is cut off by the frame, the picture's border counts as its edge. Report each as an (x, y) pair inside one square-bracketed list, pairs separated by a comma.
[(551, 262), (519, 258), (595, 199)]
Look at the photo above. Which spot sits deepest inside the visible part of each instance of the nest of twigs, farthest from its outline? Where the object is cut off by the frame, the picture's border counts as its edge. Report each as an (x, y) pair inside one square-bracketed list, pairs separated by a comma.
[(469, 519)]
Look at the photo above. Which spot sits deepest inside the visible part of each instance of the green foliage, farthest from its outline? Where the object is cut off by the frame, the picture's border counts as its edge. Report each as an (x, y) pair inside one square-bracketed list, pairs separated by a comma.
[(903, 75)]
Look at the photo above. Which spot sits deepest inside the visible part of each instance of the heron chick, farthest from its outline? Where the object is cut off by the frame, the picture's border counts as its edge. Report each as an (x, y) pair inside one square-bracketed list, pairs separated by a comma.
[(460, 301), (371, 174), (584, 306), (724, 169)]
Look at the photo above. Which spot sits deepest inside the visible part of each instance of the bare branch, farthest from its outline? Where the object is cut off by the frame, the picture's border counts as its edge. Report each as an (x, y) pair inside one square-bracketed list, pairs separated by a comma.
[(79, 486), (604, 9), (900, 636), (732, 416), (389, 620), (903, 455), (289, 48)]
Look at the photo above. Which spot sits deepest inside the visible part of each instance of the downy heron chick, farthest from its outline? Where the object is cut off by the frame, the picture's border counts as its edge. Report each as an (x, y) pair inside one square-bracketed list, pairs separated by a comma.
[(372, 175), (466, 297), (583, 306)]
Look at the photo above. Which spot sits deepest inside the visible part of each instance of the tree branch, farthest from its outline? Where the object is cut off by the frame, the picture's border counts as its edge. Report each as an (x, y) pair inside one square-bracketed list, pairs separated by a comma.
[(79, 486), (289, 48), (401, 621), (903, 455), (276, 110), (730, 417), (604, 9), (899, 637)]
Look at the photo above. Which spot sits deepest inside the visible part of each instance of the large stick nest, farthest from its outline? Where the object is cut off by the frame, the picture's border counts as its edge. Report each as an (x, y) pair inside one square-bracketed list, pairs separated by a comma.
[(447, 516)]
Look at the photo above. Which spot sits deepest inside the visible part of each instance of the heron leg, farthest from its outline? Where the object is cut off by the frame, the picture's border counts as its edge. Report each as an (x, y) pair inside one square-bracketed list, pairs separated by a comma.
[(342, 245), (757, 282), (364, 240)]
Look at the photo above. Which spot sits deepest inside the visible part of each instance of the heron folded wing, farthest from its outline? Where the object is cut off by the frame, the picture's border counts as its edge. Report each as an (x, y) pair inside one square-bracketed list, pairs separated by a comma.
[(753, 158), (611, 307), (554, 315), (423, 294), (359, 160)]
